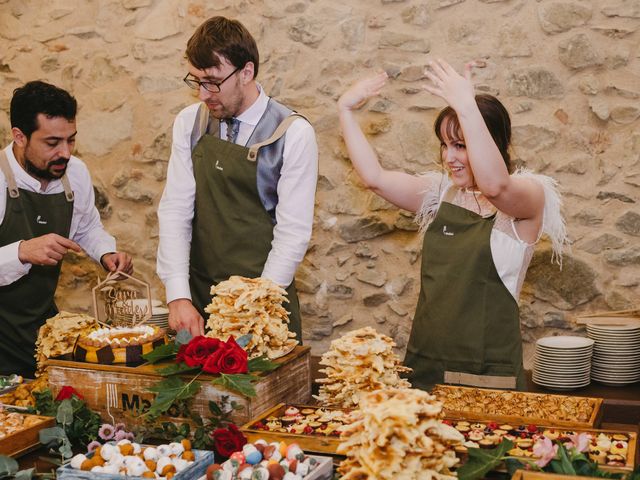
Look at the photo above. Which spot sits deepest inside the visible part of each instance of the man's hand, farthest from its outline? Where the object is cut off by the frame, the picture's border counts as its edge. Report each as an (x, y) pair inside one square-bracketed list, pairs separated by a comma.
[(117, 262), (46, 250), (184, 316)]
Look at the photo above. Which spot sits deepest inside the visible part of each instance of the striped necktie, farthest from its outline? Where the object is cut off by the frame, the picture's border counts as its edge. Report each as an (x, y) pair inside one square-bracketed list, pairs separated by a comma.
[(233, 127)]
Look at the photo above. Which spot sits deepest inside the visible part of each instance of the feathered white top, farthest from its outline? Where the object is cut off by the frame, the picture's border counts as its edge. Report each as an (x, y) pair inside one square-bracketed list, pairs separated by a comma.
[(511, 255)]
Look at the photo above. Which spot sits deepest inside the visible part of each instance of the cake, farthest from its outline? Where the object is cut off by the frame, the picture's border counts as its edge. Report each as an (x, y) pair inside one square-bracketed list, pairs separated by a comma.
[(118, 344)]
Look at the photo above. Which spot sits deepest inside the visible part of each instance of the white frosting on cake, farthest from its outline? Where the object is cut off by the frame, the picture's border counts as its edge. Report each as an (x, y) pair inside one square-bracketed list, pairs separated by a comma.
[(123, 336)]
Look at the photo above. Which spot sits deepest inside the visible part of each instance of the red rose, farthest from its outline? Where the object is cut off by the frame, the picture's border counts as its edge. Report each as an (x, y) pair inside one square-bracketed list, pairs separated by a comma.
[(67, 392), (195, 353), (229, 358), (227, 440)]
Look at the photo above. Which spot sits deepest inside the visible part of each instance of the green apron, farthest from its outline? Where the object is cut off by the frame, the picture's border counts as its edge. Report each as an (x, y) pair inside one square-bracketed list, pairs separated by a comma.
[(232, 231), (466, 329), (27, 303)]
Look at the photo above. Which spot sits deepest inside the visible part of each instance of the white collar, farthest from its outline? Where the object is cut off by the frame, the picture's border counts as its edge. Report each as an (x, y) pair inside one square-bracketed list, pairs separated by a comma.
[(253, 114)]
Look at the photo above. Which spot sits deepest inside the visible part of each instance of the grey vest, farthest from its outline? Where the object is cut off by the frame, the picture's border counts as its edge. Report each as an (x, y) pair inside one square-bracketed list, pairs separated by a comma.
[(271, 155)]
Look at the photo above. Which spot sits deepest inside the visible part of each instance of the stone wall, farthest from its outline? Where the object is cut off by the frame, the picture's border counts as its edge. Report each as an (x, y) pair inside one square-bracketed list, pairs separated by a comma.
[(567, 70)]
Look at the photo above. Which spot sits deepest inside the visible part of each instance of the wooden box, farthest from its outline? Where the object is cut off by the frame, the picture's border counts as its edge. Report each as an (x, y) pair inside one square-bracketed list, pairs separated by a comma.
[(630, 436), (308, 442), (204, 458), (25, 440), (482, 396), (121, 392)]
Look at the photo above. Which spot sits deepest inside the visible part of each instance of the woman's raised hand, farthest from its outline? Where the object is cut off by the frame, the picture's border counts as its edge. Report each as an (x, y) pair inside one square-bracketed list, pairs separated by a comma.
[(455, 89), (362, 91)]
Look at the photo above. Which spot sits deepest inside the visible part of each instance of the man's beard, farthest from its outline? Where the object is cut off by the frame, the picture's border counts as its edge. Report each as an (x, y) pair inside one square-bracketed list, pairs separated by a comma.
[(46, 173)]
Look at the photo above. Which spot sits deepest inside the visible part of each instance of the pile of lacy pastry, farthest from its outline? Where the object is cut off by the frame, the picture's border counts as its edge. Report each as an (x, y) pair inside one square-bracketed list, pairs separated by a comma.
[(396, 434), (361, 361), (242, 306)]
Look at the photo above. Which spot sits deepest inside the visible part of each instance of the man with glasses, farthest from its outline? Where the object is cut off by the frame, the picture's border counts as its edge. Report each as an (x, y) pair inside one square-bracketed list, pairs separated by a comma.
[(241, 180), (47, 208)]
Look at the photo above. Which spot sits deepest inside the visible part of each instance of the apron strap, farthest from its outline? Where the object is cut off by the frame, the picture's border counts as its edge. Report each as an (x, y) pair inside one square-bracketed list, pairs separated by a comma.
[(201, 124), (68, 192), (486, 381), (450, 194), (11, 179), (252, 156)]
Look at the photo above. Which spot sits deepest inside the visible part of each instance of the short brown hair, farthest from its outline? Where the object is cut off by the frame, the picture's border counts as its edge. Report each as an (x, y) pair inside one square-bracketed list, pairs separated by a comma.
[(222, 37), (495, 116)]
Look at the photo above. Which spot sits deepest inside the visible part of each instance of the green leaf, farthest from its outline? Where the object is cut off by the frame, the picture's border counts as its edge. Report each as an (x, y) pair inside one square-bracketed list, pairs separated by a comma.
[(563, 464), (238, 382), (8, 466), (163, 352), (51, 437), (183, 337), (169, 391), (215, 408), (177, 368), (481, 461), (262, 364), (244, 340), (25, 474), (64, 415)]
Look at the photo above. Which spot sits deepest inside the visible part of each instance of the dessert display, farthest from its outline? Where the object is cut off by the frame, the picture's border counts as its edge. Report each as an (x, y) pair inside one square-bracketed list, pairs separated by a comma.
[(242, 306), (466, 402), (268, 461), (131, 459), (315, 429), (118, 344), (19, 431), (58, 336), (361, 361), (613, 449), (22, 394), (396, 433)]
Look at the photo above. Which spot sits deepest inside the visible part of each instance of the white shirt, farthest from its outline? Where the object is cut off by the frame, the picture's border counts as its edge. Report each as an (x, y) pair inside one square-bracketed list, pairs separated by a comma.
[(86, 227), (294, 212)]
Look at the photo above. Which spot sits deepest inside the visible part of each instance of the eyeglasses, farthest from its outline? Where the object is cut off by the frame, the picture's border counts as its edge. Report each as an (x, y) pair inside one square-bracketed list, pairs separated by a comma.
[(213, 87)]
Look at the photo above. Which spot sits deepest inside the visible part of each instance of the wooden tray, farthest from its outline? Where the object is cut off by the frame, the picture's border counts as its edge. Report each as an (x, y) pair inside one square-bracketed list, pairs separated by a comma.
[(308, 442), (25, 440), (593, 422), (532, 475), (631, 449), (121, 391)]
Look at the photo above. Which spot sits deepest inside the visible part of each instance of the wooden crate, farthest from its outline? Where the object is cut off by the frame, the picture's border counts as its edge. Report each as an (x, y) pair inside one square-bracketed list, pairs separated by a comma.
[(127, 386), (593, 422), (308, 442), (25, 440)]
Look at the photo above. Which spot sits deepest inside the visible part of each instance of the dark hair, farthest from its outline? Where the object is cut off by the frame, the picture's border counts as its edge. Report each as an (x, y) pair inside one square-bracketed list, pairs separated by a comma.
[(39, 97), (495, 117), (220, 36)]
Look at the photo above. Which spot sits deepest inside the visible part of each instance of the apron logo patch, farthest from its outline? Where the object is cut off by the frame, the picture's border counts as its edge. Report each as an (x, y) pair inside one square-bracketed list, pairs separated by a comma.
[(218, 166), (40, 220), (445, 232)]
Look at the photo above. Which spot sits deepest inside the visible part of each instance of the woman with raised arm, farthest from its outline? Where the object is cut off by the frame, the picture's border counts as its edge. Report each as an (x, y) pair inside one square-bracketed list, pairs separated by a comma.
[(480, 224)]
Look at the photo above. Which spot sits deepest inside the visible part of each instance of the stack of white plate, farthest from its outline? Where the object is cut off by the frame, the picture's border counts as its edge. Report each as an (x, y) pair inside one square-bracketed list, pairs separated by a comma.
[(563, 362), (159, 314), (616, 354)]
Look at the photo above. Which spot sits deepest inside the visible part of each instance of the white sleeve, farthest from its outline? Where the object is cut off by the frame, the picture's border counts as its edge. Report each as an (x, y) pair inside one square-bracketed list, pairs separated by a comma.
[(176, 209), (11, 268), (296, 197), (89, 233)]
